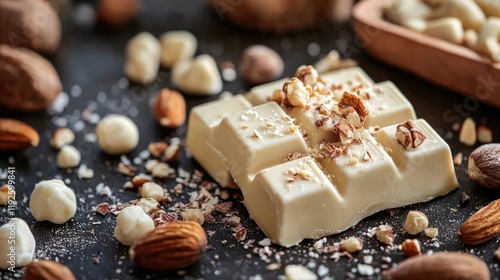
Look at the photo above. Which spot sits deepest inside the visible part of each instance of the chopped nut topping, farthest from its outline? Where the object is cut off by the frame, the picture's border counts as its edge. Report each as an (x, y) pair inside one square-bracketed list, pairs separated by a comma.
[(416, 222), (322, 110), (329, 150), (160, 217), (345, 132), (307, 74), (193, 215), (351, 245), (294, 174), (294, 156), (127, 170), (464, 198), (384, 234), (256, 134), (157, 148), (102, 208), (457, 159), (241, 233), (484, 134), (140, 179), (321, 121), (296, 93), (224, 207), (411, 247), (278, 96), (431, 232), (354, 101), (172, 153), (352, 116), (367, 156), (409, 136)]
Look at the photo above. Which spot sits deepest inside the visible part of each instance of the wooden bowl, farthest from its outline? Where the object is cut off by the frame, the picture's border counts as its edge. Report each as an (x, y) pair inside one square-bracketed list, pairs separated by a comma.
[(443, 63)]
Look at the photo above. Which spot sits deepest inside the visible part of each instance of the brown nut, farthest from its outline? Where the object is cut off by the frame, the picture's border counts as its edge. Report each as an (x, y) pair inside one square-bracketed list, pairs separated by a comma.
[(117, 12), (260, 64), (16, 135), (449, 265), (47, 270), (32, 24), (482, 225), (484, 165), (170, 246), (169, 108), (28, 81)]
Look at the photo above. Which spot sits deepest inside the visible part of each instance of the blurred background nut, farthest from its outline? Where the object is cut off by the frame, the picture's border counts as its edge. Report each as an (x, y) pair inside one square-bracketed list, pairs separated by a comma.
[(117, 134), (142, 58), (32, 24), (47, 270), (199, 76), (17, 135), (117, 12), (169, 108), (68, 157), (62, 136), (24, 240), (177, 46), (260, 64), (28, 81), (484, 165)]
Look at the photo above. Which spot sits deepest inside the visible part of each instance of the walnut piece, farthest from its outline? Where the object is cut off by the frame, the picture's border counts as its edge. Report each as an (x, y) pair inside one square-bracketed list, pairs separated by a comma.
[(384, 234), (409, 136), (297, 94), (307, 74), (345, 132), (352, 100)]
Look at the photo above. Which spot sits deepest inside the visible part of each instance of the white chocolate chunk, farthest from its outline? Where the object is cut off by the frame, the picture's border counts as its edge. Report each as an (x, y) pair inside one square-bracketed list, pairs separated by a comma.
[(17, 244), (177, 46), (68, 157), (53, 201), (132, 223), (202, 120), (142, 58), (117, 134), (199, 76)]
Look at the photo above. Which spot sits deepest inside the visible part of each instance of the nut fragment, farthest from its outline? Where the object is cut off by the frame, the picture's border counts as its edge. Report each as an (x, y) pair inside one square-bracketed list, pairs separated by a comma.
[(16, 135), (45, 270), (299, 272), (6, 194), (449, 265), (28, 81), (431, 232), (297, 94), (142, 58), (482, 225), (53, 201), (157, 148), (354, 101), (484, 165), (193, 215), (117, 134), (169, 108), (152, 190), (416, 222), (385, 234), (170, 246), (132, 223), (172, 153), (409, 136), (484, 134), (411, 247), (199, 76), (23, 243), (468, 134), (351, 245), (177, 46), (62, 136), (68, 157), (260, 64)]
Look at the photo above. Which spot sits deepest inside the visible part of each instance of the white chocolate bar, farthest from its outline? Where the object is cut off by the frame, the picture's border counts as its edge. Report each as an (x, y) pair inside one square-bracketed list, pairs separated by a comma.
[(304, 178)]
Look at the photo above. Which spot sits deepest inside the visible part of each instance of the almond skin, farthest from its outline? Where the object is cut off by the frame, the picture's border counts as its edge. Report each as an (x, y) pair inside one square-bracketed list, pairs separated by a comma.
[(28, 81), (117, 12), (449, 265), (47, 270), (484, 165), (32, 24), (170, 246), (169, 108), (482, 225), (16, 135)]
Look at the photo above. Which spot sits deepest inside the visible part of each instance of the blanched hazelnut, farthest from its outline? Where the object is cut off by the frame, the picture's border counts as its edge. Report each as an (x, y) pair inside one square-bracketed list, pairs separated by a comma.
[(260, 64), (177, 46), (68, 157), (16, 234), (117, 134), (416, 222), (61, 137), (199, 76), (152, 190), (142, 58), (53, 201), (132, 223), (351, 245)]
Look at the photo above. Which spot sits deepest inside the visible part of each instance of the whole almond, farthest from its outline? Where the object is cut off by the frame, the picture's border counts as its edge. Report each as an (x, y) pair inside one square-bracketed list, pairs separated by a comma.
[(117, 12), (449, 265), (47, 270), (169, 108), (170, 246), (28, 81), (484, 165), (32, 24), (17, 135), (482, 225)]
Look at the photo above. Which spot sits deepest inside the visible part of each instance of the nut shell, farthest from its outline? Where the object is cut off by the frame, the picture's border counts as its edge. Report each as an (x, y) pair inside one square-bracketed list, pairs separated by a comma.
[(17, 135), (170, 246), (484, 165), (47, 270), (28, 81), (482, 225), (32, 24), (450, 265)]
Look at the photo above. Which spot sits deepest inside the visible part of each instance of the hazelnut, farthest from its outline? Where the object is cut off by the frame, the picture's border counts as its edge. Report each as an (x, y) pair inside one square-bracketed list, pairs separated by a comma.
[(117, 134), (260, 64), (416, 222), (152, 190), (61, 137), (484, 165), (193, 215), (68, 157), (177, 46), (142, 58), (199, 76), (117, 12), (53, 201), (351, 245), (24, 243), (132, 223), (169, 108)]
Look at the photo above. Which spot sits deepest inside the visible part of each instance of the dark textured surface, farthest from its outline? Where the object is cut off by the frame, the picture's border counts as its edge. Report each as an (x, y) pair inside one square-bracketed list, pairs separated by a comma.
[(92, 59)]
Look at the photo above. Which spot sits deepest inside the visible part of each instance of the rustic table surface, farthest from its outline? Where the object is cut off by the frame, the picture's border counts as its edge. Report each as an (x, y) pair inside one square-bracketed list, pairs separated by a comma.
[(89, 63)]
